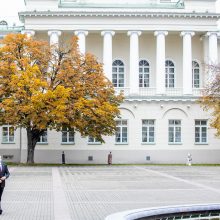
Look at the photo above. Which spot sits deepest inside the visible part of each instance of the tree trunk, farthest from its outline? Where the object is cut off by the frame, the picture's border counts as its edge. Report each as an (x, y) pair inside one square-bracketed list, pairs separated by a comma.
[(32, 137), (30, 154)]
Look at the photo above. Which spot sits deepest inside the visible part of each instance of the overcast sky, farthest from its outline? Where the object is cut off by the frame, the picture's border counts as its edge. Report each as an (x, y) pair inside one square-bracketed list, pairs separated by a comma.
[(9, 10)]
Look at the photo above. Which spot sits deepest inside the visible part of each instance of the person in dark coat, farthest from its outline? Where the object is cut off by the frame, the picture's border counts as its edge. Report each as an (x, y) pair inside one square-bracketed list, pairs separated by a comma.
[(4, 174)]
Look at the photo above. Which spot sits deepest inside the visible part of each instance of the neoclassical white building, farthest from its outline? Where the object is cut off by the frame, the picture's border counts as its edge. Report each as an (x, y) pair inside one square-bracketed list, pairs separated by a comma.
[(156, 51)]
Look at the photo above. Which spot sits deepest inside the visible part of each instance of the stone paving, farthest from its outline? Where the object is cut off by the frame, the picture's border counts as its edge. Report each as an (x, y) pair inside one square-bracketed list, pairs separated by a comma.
[(93, 192)]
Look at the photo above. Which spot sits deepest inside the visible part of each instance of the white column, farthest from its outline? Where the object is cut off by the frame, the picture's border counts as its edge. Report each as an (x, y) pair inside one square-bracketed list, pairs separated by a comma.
[(134, 61), (160, 62), (204, 39), (29, 33), (81, 34), (54, 37), (54, 42), (107, 53), (213, 48), (187, 61)]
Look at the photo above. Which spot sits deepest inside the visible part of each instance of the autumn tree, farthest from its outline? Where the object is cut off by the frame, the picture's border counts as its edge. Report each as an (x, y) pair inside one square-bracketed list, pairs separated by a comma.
[(211, 97), (45, 87)]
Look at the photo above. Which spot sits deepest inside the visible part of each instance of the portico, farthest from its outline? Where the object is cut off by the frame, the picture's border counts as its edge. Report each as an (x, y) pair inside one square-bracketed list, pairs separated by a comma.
[(136, 45)]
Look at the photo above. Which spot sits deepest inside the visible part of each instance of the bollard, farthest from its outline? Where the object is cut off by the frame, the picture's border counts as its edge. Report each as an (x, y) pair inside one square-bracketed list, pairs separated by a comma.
[(110, 158), (189, 159), (63, 158)]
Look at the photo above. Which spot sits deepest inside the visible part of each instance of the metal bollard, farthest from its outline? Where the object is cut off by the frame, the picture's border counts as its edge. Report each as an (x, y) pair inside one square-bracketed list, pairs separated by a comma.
[(189, 159), (110, 158), (63, 158)]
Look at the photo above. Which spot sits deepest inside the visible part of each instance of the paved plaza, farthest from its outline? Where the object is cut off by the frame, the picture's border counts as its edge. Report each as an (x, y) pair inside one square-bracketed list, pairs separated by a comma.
[(93, 192)]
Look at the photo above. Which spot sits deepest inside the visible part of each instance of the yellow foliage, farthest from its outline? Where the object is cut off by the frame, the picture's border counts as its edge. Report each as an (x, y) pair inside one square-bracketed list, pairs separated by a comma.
[(211, 99), (42, 86)]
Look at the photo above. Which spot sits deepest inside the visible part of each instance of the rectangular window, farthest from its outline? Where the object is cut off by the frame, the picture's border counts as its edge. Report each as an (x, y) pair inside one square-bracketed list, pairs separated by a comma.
[(8, 134), (147, 80), (121, 80), (43, 138), (121, 135), (115, 80), (200, 131), (174, 131), (67, 136), (196, 80), (148, 131), (92, 140), (118, 74)]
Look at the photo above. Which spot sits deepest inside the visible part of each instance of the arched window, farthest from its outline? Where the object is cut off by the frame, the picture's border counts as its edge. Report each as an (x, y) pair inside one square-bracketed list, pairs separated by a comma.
[(144, 74), (118, 73), (195, 75), (3, 24), (170, 74)]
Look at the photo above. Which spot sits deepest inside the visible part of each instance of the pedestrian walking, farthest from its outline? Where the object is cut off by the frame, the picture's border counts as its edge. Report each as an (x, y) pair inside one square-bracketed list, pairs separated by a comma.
[(4, 174)]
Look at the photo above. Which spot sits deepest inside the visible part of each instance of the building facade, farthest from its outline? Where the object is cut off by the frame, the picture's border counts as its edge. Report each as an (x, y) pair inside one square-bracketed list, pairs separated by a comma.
[(156, 52)]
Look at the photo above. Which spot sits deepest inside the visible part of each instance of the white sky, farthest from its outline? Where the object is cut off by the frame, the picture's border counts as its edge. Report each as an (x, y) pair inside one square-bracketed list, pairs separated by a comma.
[(9, 10)]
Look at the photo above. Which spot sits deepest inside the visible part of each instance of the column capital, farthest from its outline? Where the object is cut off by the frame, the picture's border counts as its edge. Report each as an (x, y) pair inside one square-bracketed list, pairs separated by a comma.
[(184, 33), (84, 32), (103, 33), (28, 32), (156, 33), (58, 33), (134, 32), (212, 33)]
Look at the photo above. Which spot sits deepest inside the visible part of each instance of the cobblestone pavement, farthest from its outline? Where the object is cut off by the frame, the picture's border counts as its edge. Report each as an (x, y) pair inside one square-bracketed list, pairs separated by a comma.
[(93, 192)]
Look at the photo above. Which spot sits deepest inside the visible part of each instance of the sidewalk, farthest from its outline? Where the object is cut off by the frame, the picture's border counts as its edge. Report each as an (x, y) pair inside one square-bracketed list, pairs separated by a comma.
[(93, 192)]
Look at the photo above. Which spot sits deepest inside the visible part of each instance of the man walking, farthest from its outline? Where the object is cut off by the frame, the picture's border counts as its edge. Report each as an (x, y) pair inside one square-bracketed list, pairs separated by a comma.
[(4, 174)]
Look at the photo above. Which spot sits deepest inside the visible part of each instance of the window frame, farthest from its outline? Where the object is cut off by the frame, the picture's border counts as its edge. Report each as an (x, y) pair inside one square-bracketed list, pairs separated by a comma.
[(174, 126), (167, 85), (148, 131), (141, 85), (117, 74), (121, 132), (40, 142), (94, 141), (200, 131), (67, 131), (8, 135), (193, 74)]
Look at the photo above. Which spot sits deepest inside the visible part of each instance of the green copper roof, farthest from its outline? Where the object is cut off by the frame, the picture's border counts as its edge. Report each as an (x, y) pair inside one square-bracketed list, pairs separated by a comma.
[(11, 29), (82, 4)]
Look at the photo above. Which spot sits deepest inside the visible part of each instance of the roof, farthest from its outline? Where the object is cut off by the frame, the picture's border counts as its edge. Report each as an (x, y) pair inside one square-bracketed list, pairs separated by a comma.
[(123, 4)]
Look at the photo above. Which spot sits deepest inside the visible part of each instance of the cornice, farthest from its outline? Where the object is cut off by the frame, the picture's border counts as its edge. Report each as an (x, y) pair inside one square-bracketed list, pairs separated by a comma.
[(116, 13), (161, 99)]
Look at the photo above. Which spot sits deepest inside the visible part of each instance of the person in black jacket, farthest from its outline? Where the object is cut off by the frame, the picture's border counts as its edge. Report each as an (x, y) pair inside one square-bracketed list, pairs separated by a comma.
[(4, 174)]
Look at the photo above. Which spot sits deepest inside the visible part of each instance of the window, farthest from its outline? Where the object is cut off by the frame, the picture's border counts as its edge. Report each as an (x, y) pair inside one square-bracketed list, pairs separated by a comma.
[(170, 74), (3, 24), (43, 138), (195, 75), (92, 140), (67, 135), (148, 131), (174, 131), (118, 73), (144, 74), (121, 132), (8, 134), (200, 131)]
